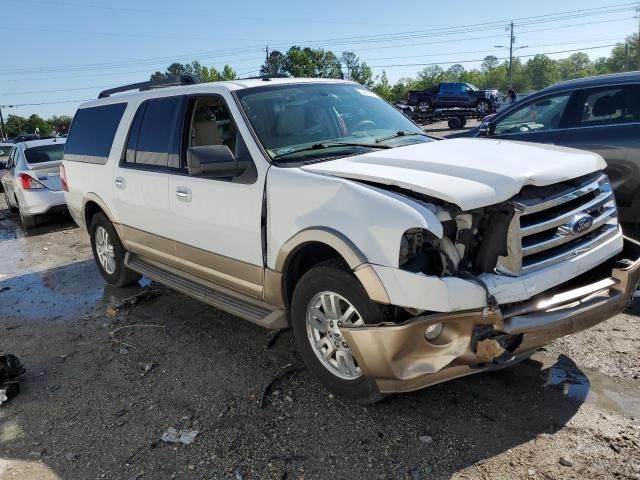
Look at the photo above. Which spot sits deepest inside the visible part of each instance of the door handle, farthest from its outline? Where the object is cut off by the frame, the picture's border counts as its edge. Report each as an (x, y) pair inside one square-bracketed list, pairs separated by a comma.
[(119, 182), (183, 194)]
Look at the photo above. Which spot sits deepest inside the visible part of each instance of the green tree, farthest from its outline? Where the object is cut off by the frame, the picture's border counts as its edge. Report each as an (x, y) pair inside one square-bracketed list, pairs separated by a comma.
[(577, 65), (489, 63), (383, 87), (400, 89), (357, 71), (615, 62), (60, 124), (15, 125), (455, 73), (430, 76), (542, 71), (276, 64)]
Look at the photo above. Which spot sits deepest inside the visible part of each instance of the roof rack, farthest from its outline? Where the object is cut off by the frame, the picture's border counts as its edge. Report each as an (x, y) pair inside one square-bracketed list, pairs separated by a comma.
[(148, 85), (266, 78)]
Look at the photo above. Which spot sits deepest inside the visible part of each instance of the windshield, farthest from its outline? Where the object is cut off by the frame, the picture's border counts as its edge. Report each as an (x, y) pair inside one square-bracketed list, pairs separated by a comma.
[(313, 121), (44, 153)]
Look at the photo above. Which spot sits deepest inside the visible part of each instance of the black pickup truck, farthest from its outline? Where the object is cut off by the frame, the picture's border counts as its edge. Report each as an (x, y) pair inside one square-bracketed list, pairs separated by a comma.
[(455, 95)]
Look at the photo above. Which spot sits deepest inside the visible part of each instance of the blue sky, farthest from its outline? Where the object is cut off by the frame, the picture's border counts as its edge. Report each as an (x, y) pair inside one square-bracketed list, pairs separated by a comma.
[(78, 47)]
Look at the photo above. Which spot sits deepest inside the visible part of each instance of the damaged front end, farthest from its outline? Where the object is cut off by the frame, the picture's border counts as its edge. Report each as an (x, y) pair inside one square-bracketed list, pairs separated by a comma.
[(432, 348)]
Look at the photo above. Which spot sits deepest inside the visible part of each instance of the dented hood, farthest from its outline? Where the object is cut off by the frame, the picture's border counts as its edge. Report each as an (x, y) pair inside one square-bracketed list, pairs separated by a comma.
[(468, 172)]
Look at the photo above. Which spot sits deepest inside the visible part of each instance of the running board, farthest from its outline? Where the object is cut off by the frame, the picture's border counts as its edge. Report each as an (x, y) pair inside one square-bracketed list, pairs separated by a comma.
[(223, 298)]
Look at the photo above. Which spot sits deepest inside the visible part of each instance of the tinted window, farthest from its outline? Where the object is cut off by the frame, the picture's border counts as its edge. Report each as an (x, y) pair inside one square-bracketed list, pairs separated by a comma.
[(611, 105), (5, 150), (156, 137), (538, 115), (44, 153), (92, 133), (447, 88)]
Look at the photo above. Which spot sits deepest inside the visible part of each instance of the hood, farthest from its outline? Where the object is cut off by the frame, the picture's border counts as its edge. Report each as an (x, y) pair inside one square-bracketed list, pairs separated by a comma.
[(468, 172)]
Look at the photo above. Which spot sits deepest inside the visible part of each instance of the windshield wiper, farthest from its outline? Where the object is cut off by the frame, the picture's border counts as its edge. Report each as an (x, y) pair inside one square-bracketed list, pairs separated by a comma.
[(401, 133), (322, 146)]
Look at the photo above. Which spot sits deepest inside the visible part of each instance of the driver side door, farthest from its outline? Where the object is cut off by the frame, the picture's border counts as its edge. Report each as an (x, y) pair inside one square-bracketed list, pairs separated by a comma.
[(540, 120)]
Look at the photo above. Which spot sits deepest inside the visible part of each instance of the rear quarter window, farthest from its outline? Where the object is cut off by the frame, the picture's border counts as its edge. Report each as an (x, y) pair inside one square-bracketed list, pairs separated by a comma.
[(92, 132), (44, 153)]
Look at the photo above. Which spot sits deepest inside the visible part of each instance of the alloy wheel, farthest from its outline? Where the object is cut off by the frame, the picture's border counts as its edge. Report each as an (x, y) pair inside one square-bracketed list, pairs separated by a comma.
[(327, 312), (104, 250)]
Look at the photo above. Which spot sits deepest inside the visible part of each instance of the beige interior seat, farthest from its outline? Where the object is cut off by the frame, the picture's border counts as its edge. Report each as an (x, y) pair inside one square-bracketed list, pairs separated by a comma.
[(204, 129)]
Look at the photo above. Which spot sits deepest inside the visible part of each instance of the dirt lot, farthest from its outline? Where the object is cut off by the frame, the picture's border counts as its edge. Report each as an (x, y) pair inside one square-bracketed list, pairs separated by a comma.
[(100, 391)]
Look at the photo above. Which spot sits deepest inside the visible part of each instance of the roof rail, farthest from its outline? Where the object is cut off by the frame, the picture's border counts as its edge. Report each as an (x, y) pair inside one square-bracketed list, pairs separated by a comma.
[(266, 78), (150, 84)]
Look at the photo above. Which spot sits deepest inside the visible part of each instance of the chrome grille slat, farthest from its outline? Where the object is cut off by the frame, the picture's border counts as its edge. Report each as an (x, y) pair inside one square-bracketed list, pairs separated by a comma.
[(584, 247), (538, 207), (552, 224), (560, 239), (600, 200)]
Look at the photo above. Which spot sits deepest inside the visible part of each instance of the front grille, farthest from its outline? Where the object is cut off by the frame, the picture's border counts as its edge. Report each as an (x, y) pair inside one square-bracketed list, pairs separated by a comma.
[(557, 222)]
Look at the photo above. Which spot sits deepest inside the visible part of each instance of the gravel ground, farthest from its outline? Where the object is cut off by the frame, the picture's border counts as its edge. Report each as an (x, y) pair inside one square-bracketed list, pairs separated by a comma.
[(103, 385)]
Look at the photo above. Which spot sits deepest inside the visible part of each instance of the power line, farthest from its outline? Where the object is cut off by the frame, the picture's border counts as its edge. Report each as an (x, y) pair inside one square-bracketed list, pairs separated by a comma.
[(498, 58), (378, 38)]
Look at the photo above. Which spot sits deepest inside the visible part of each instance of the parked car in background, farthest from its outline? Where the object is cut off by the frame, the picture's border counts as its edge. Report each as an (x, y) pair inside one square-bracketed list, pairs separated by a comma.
[(5, 149), (31, 182), (398, 261), (600, 114), (455, 95)]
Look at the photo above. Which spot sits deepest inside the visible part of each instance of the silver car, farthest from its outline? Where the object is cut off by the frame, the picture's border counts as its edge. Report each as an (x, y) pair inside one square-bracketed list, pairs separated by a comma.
[(5, 149), (31, 182)]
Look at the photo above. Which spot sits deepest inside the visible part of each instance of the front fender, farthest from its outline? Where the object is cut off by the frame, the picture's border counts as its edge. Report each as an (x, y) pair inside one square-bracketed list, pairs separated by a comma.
[(369, 221)]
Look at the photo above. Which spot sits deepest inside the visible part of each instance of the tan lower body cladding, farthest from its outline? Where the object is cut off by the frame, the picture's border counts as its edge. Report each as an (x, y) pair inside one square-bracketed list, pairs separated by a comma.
[(240, 276), (400, 358)]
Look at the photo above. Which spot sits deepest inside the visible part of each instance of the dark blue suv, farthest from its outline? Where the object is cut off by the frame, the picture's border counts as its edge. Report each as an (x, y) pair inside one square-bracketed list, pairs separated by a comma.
[(600, 114)]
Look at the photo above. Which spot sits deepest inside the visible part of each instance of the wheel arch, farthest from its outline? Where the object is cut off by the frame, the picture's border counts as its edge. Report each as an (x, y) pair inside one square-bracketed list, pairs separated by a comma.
[(310, 247), (94, 204)]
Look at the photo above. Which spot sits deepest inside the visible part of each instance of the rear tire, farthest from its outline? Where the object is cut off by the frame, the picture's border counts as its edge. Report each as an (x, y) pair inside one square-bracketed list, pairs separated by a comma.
[(483, 106), (109, 253), (330, 283), (424, 105), (454, 123), (28, 221)]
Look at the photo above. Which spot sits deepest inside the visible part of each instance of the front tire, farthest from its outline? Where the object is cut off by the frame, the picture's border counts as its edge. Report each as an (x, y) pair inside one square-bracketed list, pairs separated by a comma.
[(424, 105), (109, 253), (326, 298)]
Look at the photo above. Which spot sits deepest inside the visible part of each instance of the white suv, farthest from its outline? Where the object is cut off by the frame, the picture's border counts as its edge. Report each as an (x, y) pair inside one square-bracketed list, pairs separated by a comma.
[(398, 260)]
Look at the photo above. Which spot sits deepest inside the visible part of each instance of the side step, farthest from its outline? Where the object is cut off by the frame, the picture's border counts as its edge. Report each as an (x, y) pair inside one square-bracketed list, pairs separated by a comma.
[(223, 298)]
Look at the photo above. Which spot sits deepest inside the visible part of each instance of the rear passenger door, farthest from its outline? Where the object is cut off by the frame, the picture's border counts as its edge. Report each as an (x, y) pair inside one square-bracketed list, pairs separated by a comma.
[(606, 120), (142, 177)]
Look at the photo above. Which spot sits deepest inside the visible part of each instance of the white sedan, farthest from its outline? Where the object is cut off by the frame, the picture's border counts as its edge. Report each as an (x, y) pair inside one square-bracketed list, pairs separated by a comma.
[(32, 184)]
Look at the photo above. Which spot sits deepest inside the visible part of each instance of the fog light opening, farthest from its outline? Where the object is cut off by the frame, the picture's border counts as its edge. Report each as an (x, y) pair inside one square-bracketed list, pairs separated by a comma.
[(433, 331)]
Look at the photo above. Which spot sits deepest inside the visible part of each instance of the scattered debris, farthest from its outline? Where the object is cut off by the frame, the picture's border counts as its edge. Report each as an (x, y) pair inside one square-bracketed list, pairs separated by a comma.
[(286, 371), (133, 325), (565, 462), (132, 301), (147, 367), (238, 474), (10, 369), (531, 472), (272, 336), (72, 457), (426, 439), (46, 249), (171, 435), (124, 351)]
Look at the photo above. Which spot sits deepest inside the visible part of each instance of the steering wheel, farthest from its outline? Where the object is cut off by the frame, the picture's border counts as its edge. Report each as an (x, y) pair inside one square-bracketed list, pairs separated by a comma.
[(364, 125)]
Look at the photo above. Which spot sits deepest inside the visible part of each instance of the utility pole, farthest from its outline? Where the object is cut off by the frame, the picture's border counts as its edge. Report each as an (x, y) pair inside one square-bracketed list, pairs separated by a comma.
[(267, 61), (626, 56), (2, 128), (511, 41)]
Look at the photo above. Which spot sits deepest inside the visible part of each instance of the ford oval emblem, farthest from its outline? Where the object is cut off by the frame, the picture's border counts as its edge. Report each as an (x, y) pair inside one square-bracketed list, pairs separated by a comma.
[(580, 223)]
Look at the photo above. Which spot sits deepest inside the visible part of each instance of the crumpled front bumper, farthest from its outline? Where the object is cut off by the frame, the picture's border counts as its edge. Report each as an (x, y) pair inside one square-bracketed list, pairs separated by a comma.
[(400, 359)]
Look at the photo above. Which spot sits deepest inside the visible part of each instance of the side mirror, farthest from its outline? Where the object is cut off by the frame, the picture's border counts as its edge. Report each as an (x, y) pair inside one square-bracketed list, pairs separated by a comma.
[(484, 130), (214, 161)]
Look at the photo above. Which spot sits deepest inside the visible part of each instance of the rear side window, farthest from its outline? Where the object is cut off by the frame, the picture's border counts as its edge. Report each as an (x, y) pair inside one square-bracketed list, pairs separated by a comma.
[(154, 139), (609, 106), (44, 153), (92, 133)]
